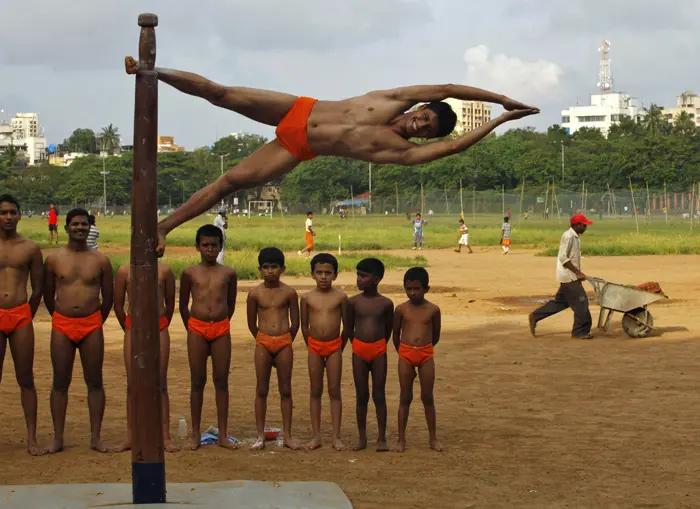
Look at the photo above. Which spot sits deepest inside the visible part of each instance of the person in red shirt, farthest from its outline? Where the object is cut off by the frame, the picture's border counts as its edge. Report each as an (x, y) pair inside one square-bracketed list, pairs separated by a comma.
[(53, 223)]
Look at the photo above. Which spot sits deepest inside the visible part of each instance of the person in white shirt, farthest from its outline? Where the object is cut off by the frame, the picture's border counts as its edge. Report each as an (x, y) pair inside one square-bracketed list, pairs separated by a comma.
[(308, 234), (505, 235), (571, 293), (221, 222), (94, 233), (463, 237)]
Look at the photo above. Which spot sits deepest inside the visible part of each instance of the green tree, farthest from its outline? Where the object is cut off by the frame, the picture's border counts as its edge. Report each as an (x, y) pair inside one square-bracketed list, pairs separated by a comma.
[(82, 141)]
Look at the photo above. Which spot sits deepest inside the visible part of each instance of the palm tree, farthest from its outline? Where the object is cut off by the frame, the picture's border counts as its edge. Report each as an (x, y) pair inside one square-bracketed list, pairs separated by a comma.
[(109, 139), (684, 125), (653, 119)]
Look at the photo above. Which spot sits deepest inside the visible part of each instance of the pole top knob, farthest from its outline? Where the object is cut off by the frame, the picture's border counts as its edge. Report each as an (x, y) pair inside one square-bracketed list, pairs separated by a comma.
[(148, 20)]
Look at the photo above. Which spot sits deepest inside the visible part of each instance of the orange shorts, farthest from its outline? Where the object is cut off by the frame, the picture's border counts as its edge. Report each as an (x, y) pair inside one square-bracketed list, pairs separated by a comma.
[(416, 355), (291, 131), (369, 351), (309, 240), (505, 242), (325, 348), (208, 330), (273, 343), (76, 328), (162, 324), (15, 318)]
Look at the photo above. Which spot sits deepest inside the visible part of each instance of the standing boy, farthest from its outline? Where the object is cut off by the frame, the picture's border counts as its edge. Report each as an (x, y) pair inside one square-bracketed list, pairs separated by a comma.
[(166, 308), (53, 223), (323, 310), (463, 237), (75, 277), (309, 234), (505, 235), (416, 331), (418, 225), (213, 287), (221, 222), (273, 320), (20, 260), (370, 320)]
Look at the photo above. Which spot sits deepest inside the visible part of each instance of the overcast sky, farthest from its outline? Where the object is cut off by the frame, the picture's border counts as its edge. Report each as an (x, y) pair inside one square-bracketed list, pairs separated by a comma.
[(64, 59)]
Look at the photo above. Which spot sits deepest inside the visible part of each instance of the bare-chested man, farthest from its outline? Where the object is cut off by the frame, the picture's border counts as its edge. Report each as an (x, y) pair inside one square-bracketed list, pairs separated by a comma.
[(20, 259), (417, 325), (75, 276), (370, 321), (213, 288), (323, 312), (166, 308), (374, 127), (273, 320)]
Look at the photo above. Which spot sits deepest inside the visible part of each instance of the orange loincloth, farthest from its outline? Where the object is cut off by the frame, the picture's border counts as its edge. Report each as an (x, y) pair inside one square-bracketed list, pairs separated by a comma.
[(369, 351), (273, 344), (76, 328), (309, 240), (208, 330), (15, 318), (416, 355), (291, 131), (325, 348)]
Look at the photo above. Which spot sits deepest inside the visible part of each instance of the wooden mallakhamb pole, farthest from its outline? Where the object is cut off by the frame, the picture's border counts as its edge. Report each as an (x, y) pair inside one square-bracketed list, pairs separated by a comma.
[(147, 453)]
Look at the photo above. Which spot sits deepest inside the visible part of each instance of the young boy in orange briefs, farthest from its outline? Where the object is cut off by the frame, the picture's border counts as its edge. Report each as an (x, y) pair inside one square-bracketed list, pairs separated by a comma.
[(323, 311), (273, 320), (370, 320), (213, 288), (75, 276), (166, 308), (20, 261), (416, 332)]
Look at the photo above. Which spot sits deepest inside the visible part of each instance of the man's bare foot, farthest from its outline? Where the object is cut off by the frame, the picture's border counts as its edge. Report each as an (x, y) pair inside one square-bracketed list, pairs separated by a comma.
[(258, 445), (170, 447), (34, 448), (289, 443), (124, 446), (382, 446), (400, 446), (457, 251), (56, 446), (314, 444), (97, 445), (338, 444), (361, 445), (223, 442), (435, 445), (131, 65), (533, 324), (194, 442)]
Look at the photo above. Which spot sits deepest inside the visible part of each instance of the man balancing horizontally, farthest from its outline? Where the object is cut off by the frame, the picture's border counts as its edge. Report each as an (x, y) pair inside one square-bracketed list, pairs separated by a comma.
[(374, 127)]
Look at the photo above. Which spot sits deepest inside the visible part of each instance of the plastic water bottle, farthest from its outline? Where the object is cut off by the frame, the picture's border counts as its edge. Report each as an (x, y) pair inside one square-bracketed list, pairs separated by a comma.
[(182, 429)]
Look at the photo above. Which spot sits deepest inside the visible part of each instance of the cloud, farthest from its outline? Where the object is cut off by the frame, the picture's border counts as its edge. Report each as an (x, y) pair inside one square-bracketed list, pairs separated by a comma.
[(525, 80)]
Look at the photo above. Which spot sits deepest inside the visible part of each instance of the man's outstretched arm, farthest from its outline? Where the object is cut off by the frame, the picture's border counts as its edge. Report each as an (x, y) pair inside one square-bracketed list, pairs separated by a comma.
[(428, 93), (420, 154)]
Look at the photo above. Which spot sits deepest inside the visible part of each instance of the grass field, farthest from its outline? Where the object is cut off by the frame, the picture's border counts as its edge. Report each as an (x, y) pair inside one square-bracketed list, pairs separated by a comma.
[(611, 237)]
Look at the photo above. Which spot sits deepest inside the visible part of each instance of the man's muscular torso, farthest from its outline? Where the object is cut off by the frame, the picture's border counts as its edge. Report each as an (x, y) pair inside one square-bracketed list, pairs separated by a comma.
[(15, 262), (78, 281)]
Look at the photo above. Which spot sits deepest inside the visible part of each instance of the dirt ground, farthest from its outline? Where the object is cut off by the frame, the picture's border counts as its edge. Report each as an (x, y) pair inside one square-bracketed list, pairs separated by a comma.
[(529, 423)]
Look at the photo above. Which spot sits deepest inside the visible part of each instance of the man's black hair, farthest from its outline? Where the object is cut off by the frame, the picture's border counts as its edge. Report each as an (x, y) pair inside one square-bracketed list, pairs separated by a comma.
[(324, 258), (271, 255), (8, 198), (447, 118), (76, 213), (372, 266), (91, 220), (209, 230), (417, 274)]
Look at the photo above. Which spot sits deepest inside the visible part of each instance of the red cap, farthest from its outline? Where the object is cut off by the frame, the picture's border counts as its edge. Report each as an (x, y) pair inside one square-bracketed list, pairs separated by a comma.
[(580, 218)]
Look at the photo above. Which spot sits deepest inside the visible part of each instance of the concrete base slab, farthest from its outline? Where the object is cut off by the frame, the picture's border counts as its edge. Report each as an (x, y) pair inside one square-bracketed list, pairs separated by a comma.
[(226, 494)]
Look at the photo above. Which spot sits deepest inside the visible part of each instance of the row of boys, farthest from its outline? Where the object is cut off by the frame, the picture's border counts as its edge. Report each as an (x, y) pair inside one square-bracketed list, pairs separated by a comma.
[(79, 291)]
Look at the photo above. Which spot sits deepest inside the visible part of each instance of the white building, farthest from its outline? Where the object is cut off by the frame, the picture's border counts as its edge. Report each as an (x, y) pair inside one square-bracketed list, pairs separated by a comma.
[(25, 125), (604, 111), (687, 102), (23, 133), (470, 114)]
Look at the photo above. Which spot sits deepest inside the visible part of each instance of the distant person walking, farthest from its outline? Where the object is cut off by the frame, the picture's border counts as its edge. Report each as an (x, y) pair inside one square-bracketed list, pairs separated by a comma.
[(221, 222), (463, 237), (418, 225), (94, 233), (53, 223), (505, 235), (571, 293), (309, 234)]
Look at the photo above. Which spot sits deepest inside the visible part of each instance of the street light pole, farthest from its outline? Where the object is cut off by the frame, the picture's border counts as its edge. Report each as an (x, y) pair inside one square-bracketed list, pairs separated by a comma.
[(370, 188), (222, 172), (104, 187), (562, 161)]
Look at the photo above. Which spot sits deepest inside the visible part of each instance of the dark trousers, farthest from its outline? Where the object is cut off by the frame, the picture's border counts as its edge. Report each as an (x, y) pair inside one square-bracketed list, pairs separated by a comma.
[(570, 295)]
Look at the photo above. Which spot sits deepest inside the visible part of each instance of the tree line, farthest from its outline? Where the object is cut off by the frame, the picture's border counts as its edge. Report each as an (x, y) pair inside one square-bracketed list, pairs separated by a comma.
[(648, 152)]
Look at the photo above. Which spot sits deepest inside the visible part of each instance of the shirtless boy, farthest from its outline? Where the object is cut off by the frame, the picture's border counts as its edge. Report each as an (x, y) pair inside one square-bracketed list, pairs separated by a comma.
[(20, 259), (75, 276), (323, 311), (375, 127), (273, 320), (416, 332), (166, 308), (370, 320), (213, 288)]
